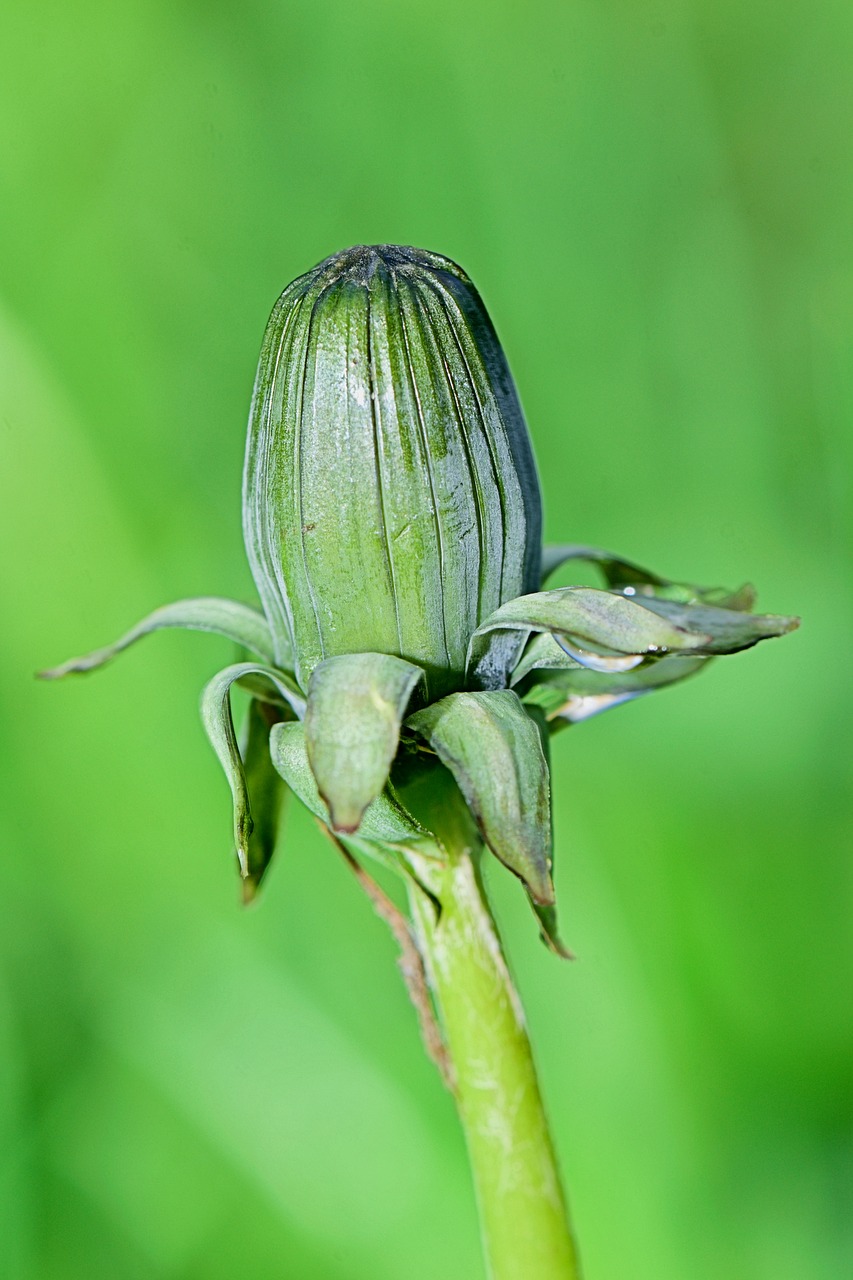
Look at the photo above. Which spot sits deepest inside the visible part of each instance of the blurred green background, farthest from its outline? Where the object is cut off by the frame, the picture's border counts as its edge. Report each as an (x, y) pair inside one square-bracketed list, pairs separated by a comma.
[(656, 200)]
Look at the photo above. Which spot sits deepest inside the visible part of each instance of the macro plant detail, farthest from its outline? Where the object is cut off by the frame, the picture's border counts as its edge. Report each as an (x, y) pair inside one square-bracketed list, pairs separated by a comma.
[(409, 665)]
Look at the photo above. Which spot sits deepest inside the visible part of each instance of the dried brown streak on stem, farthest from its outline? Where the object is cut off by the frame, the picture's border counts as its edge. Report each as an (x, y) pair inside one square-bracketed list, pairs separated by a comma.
[(410, 962)]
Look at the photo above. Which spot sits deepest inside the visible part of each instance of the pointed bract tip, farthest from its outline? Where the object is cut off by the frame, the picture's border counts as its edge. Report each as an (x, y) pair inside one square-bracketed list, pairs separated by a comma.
[(542, 891), (343, 819), (249, 890), (743, 600), (557, 947), (344, 828)]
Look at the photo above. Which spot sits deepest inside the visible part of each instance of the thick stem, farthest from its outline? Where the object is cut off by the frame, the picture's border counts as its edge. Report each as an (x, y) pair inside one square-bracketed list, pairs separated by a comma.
[(523, 1212)]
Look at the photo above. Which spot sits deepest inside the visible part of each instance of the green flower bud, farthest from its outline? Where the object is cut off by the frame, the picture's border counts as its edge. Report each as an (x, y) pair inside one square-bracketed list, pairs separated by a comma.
[(390, 498)]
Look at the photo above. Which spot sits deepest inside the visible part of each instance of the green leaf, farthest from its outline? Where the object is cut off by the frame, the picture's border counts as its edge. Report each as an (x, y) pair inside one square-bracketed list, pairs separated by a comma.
[(266, 790), (385, 819), (619, 573), (352, 729), (493, 749), (238, 622), (219, 726)]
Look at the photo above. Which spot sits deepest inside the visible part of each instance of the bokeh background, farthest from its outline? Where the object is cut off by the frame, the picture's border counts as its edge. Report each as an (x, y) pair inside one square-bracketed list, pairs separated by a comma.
[(656, 200)]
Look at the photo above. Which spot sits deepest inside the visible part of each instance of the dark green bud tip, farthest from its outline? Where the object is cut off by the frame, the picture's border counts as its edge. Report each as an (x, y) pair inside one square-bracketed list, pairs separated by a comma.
[(391, 501)]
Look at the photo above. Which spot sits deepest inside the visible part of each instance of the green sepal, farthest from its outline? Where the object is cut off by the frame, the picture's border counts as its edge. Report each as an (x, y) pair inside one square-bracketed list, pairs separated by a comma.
[(219, 726), (550, 933), (384, 822), (266, 790), (725, 630), (566, 692), (616, 571), (493, 749), (238, 622), (356, 703), (542, 653), (594, 624), (595, 627), (263, 690), (619, 573)]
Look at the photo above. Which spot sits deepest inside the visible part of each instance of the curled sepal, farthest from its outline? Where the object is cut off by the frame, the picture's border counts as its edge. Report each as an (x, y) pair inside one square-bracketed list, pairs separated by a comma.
[(621, 574), (219, 727), (237, 622), (356, 703), (493, 749), (616, 571), (385, 820), (566, 693), (724, 630), (542, 653), (266, 789), (595, 624)]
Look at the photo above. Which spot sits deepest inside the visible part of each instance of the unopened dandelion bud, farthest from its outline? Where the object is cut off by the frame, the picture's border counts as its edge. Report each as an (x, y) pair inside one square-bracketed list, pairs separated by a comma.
[(391, 501)]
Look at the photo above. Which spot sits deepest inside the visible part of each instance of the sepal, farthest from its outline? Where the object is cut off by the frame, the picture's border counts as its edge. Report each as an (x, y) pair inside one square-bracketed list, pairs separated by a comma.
[(238, 622), (550, 933), (723, 630), (219, 726), (266, 790), (595, 627), (592, 623), (356, 703), (388, 833), (492, 748), (619, 573), (567, 693)]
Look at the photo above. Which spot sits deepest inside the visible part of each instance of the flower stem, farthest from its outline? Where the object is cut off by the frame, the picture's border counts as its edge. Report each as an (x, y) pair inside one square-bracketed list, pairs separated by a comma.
[(523, 1212)]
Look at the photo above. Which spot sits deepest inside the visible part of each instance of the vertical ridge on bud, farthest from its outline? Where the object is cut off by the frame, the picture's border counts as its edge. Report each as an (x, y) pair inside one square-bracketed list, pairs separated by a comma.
[(390, 498), (457, 536), (503, 423), (409, 488)]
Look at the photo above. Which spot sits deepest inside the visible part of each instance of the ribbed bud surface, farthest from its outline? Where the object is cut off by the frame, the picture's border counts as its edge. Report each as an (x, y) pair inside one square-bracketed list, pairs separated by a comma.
[(390, 494)]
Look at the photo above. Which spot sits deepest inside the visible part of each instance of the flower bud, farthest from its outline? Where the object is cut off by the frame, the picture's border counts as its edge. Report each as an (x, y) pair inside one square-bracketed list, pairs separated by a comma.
[(391, 501)]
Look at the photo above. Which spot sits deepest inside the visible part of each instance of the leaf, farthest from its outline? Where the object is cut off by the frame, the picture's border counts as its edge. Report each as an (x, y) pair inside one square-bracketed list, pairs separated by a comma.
[(352, 729), (590, 619), (239, 622), (493, 749), (385, 820), (622, 574), (266, 790), (219, 726)]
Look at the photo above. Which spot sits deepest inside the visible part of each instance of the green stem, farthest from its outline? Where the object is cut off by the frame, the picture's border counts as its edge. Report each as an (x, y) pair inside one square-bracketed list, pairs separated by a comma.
[(523, 1212)]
